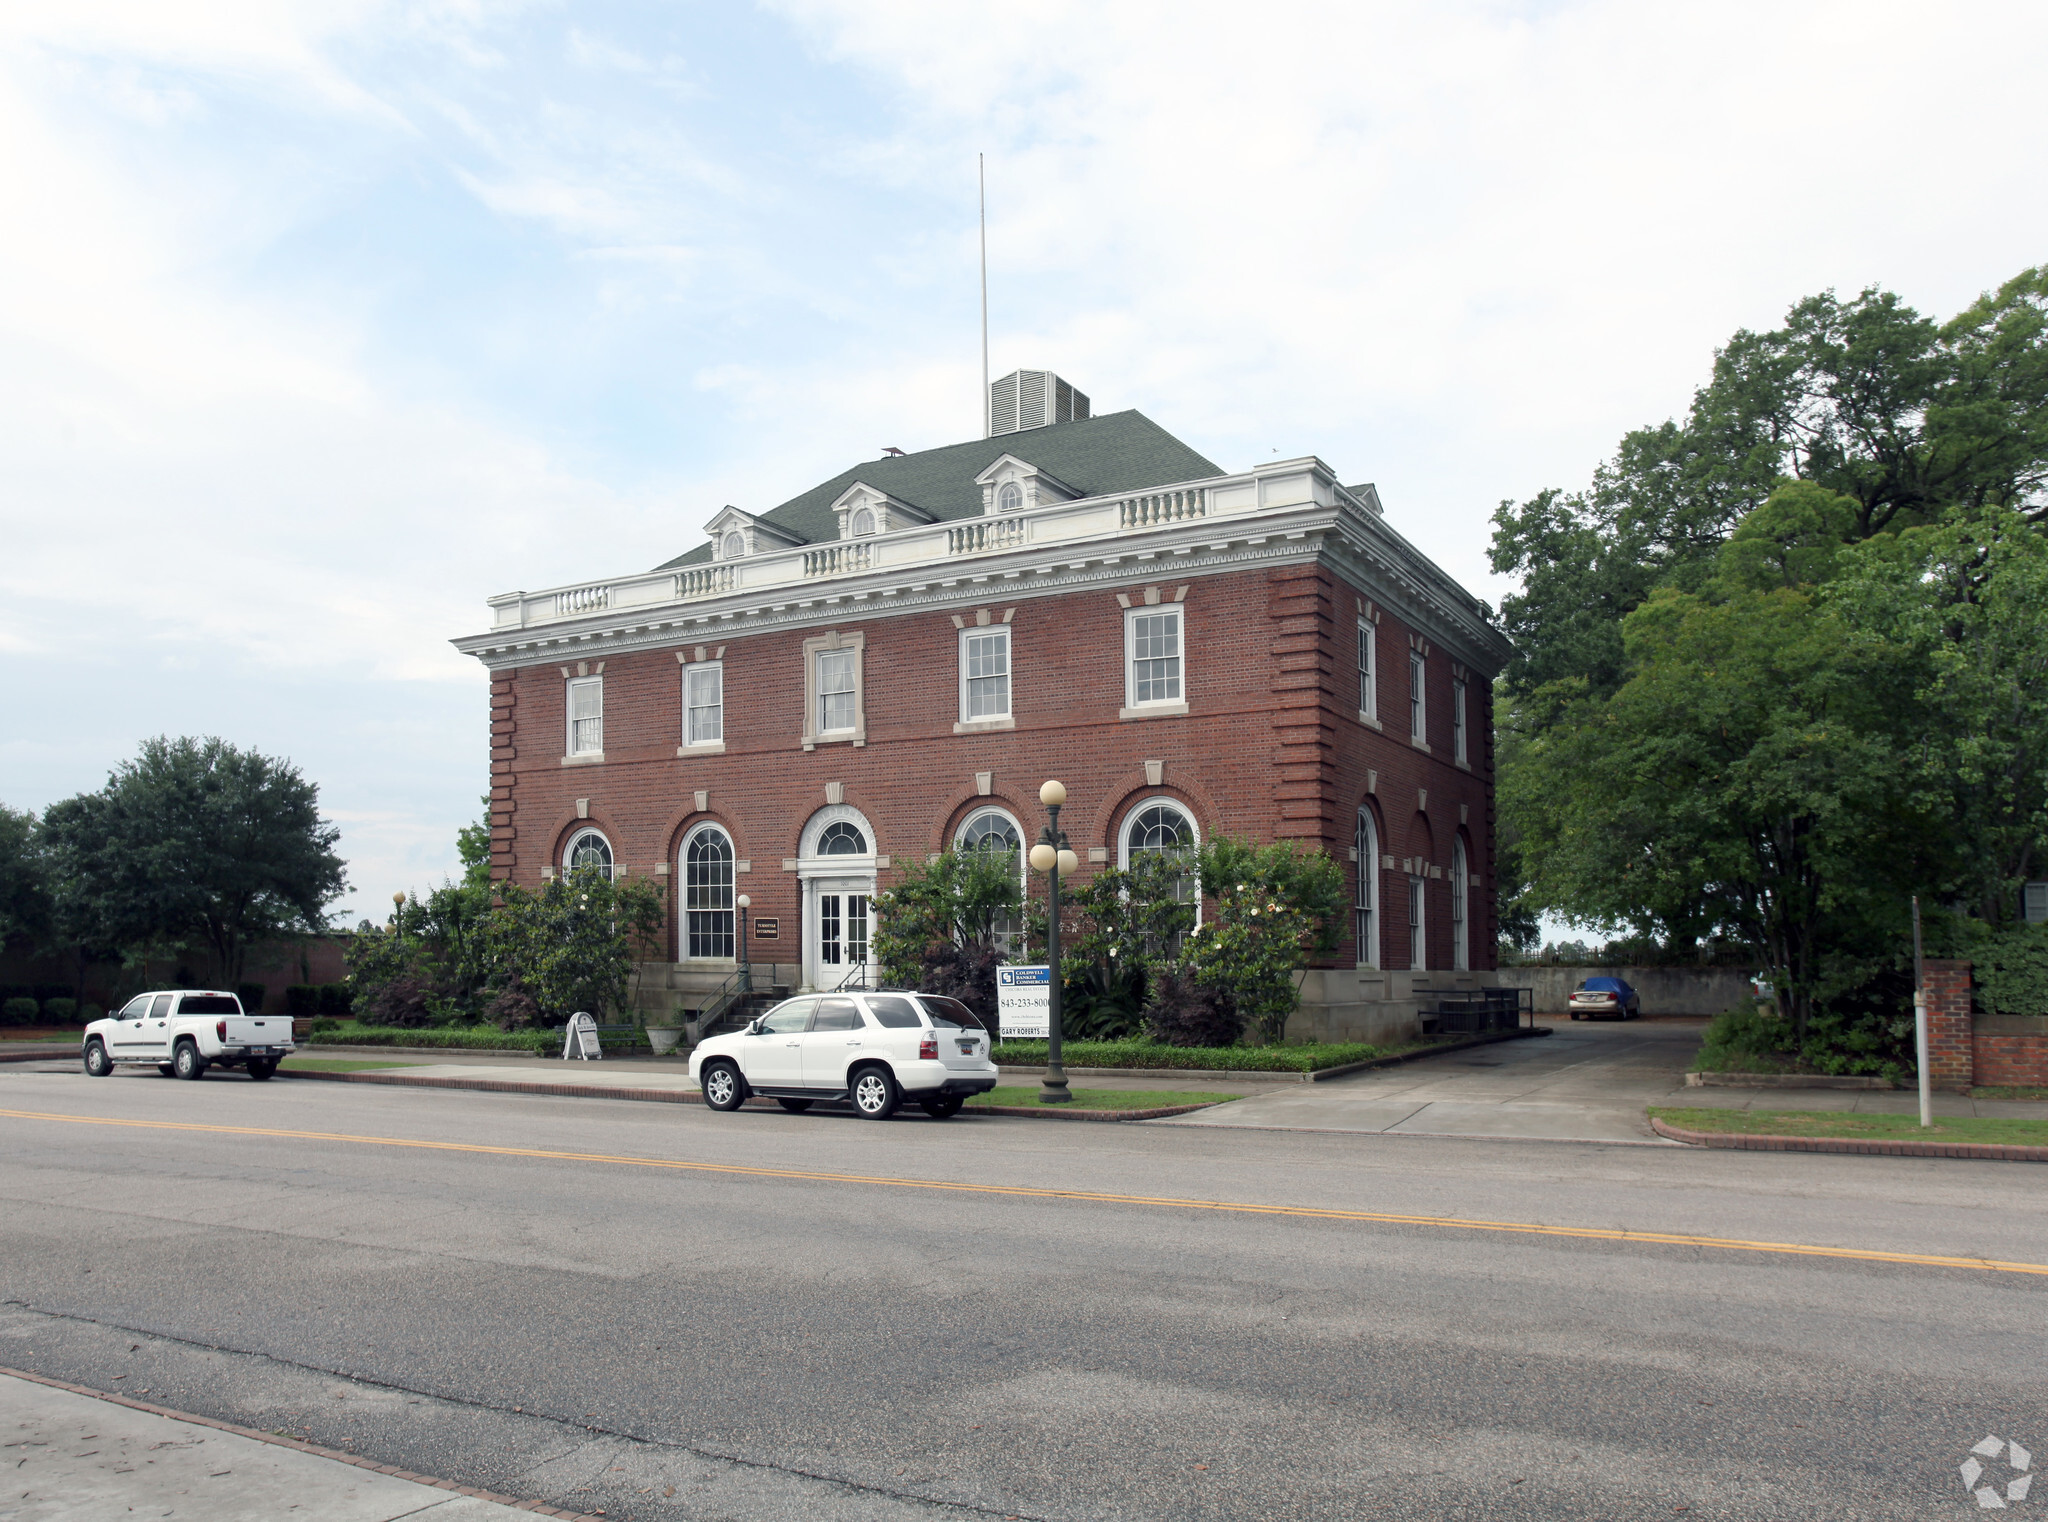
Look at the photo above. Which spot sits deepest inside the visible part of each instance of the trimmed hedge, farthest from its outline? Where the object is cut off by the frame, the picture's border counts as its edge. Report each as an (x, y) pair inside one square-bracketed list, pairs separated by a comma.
[(458, 1038), (20, 1011), (1222, 1059), (60, 1011), (251, 995)]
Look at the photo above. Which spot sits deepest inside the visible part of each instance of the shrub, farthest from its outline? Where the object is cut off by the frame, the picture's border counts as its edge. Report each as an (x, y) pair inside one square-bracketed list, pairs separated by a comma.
[(301, 999), (19, 1011), (513, 1010), (334, 999), (252, 996), (401, 1004), (966, 973), (323, 1026), (1186, 1013), (60, 1011), (89, 1012)]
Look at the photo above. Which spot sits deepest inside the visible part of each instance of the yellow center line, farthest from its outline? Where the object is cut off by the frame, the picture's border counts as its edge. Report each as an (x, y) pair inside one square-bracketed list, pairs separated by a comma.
[(1089, 1196)]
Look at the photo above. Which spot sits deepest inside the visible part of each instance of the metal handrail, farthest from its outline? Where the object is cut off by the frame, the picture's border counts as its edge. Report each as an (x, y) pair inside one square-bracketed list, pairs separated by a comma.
[(857, 978), (726, 995)]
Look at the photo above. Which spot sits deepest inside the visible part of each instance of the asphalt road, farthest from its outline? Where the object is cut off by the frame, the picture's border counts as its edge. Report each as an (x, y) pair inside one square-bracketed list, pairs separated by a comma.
[(708, 1342)]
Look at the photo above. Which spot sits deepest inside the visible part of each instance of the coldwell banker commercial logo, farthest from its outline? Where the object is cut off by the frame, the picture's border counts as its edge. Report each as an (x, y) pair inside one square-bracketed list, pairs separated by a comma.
[(1998, 1473)]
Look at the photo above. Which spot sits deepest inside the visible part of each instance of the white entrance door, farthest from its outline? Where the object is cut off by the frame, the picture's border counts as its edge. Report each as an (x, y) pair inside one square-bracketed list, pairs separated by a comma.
[(838, 920)]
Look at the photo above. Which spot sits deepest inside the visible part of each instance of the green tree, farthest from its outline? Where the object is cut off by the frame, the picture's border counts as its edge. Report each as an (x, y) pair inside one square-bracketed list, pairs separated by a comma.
[(25, 907), (572, 944), (1270, 908), (193, 845), (962, 898)]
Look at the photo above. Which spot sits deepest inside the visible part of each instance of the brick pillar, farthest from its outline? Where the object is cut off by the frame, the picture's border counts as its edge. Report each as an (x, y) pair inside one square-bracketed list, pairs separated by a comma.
[(1951, 1051)]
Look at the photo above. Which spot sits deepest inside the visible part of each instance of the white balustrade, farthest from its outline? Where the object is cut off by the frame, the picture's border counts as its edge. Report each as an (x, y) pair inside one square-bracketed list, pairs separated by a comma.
[(582, 600), (1155, 508), (838, 559), (703, 581), (983, 534)]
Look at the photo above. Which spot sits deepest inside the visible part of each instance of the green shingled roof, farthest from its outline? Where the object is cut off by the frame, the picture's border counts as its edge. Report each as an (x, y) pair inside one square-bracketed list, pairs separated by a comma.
[(1119, 452)]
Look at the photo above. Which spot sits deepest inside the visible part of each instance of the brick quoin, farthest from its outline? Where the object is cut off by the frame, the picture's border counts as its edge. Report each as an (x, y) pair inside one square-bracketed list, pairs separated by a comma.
[(1271, 748)]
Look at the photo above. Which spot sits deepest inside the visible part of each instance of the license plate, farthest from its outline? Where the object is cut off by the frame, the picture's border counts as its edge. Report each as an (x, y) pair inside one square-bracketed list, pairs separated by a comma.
[(967, 1048), (258, 1051)]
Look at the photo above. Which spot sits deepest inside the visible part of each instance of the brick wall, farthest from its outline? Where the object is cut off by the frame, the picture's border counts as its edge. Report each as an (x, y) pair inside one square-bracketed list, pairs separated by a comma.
[(1951, 1056), (2017, 1057), (1271, 747)]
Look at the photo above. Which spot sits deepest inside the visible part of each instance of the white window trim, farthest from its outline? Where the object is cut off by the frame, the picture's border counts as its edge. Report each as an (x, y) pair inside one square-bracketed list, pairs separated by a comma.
[(569, 849), (1461, 748), (571, 756), (682, 894), (1418, 700), (1418, 923), (1368, 879), (965, 725), (1158, 708), (1123, 834), (858, 734), (1023, 854), (1461, 910), (691, 747), (1369, 673)]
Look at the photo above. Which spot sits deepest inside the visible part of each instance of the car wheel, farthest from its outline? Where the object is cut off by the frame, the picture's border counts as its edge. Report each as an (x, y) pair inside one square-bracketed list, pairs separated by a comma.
[(97, 1063), (943, 1108), (261, 1070), (723, 1087), (794, 1106), (187, 1063), (875, 1093), (1577, 1016)]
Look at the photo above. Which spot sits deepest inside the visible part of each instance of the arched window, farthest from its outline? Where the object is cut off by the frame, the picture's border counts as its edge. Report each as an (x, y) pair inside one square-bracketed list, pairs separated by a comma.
[(864, 521), (588, 848), (1009, 497), (1160, 827), (707, 893), (1461, 954), (1365, 839), (842, 839), (735, 545), (993, 830)]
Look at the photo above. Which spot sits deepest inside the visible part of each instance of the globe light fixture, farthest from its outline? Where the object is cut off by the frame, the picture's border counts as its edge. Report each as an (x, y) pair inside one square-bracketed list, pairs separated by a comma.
[(746, 966), (1052, 857)]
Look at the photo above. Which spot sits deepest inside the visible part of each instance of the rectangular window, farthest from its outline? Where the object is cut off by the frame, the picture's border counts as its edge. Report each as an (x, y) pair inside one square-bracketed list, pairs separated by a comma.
[(1418, 953), (1458, 723), (836, 708), (704, 703), (1368, 694), (586, 716), (1418, 720), (1155, 656), (985, 674)]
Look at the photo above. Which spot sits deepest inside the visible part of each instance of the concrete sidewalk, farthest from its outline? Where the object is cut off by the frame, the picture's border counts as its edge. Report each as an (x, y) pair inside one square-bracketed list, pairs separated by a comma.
[(72, 1457)]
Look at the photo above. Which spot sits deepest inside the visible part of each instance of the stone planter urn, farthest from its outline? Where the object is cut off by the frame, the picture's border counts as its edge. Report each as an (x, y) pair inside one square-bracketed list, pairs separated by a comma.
[(663, 1038)]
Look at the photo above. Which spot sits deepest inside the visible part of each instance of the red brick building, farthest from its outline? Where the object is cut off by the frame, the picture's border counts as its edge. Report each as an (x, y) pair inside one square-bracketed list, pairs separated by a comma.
[(893, 661)]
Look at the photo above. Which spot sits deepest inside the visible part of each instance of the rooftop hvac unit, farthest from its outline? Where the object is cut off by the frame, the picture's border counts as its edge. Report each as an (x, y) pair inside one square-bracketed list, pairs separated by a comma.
[(1033, 399)]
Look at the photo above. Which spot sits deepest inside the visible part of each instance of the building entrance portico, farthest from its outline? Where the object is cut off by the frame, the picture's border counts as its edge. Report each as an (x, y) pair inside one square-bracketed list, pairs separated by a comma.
[(836, 867)]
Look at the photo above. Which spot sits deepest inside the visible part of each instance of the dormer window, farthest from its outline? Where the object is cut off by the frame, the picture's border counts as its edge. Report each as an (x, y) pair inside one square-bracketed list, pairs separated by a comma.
[(1010, 498), (864, 521), (863, 510), (1013, 485), (735, 545)]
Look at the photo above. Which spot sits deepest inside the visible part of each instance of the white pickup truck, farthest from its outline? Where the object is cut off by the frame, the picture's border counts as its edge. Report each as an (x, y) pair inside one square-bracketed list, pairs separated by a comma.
[(185, 1031)]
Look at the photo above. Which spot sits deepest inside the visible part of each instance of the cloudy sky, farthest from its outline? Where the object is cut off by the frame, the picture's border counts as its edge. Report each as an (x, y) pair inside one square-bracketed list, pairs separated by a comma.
[(321, 322)]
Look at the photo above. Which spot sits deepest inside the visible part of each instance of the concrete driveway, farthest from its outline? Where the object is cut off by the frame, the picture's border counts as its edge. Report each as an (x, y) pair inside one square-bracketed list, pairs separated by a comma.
[(1586, 1081)]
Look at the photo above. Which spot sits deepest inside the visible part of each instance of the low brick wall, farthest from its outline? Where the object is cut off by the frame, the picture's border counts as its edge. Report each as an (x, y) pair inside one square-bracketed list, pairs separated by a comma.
[(2011, 1050)]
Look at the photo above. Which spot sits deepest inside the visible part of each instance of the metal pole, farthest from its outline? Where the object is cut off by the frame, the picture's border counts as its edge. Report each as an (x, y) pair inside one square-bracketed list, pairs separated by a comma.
[(988, 416), (1920, 1023), (746, 964), (1054, 1089)]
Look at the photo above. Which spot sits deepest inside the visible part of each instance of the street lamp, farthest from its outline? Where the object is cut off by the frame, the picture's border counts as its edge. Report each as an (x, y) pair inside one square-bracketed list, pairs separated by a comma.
[(1052, 856), (746, 967)]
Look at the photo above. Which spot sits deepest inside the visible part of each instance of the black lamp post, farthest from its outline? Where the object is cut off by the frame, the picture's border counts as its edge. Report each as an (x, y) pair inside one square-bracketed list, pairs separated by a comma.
[(746, 966), (1052, 856)]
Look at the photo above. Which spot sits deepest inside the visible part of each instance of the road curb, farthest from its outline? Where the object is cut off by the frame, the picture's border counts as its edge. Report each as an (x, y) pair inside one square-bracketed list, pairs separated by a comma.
[(1743, 1142), (48, 1054), (692, 1097), (276, 1440)]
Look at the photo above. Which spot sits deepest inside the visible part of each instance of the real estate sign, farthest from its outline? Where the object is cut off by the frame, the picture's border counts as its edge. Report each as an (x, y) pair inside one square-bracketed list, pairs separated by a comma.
[(1024, 1003)]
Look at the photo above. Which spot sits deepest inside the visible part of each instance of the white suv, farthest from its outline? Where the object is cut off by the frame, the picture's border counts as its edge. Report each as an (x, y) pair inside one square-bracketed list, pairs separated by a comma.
[(876, 1049)]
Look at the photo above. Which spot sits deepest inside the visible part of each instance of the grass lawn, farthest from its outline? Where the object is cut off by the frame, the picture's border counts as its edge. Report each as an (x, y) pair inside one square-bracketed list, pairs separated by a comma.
[(1099, 1099), (336, 1065), (1835, 1123)]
